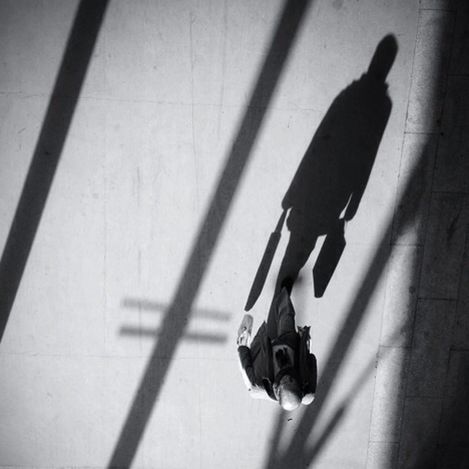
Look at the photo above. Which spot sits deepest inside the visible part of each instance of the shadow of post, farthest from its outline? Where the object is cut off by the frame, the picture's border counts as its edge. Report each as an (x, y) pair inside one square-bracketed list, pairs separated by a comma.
[(174, 322), (48, 150)]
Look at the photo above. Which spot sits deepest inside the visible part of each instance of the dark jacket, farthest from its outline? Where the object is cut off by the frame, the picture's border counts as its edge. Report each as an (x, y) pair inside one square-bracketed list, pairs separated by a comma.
[(257, 362)]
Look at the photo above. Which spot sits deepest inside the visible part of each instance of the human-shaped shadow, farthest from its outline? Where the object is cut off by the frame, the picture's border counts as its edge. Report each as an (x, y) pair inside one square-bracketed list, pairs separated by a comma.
[(332, 176)]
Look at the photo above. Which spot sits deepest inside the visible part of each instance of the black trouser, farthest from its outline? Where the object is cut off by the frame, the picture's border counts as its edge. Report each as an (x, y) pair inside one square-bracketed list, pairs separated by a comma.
[(281, 317)]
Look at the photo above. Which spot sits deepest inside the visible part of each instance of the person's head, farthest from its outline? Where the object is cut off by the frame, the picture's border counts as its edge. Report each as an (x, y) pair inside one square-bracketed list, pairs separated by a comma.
[(288, 393)]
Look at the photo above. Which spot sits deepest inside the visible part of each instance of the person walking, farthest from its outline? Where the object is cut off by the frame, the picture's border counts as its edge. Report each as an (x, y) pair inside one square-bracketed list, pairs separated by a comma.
[(278, 364)]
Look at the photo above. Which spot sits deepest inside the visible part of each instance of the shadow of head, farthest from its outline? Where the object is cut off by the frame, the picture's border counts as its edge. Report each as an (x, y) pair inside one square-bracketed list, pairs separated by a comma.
[(383, 58)]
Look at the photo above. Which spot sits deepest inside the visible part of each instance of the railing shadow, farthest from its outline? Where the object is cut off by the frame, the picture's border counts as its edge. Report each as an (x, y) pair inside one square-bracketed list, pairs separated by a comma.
[(136, 330)]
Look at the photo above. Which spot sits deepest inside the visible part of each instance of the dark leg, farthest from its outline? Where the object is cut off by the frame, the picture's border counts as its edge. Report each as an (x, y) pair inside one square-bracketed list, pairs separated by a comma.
[(281, 317), (286, 315)]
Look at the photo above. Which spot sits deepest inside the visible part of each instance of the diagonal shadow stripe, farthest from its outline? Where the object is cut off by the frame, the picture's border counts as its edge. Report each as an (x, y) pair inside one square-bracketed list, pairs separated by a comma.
[(48, 150), (174, 323), (341, 408)]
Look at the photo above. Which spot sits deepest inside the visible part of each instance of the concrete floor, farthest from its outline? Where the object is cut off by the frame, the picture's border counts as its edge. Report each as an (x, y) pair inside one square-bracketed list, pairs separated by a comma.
[(140, 250)]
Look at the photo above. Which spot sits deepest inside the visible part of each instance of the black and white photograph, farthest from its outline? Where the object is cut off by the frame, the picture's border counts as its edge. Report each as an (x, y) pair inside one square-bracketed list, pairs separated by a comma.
[(234, 234)]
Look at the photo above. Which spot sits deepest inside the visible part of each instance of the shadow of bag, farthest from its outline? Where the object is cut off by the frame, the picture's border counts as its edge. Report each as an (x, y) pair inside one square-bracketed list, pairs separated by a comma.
[(328, 258)]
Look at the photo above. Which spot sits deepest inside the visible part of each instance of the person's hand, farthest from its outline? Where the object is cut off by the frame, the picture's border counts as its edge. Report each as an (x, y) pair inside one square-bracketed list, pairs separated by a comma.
[(244, 331), (243, 337), (301, 333)]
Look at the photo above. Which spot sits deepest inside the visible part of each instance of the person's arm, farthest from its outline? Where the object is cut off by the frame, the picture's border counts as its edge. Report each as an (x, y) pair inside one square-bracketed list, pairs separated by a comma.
[(247, 373), (309, 389), (308, 367), (245, 361)]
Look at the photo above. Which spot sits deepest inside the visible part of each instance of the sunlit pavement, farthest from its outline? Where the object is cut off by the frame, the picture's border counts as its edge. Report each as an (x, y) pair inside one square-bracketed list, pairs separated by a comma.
[(119, 348)]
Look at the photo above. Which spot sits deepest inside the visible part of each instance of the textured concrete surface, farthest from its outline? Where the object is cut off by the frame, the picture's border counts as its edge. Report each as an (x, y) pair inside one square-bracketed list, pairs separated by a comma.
[(430, 255), (119, 348)]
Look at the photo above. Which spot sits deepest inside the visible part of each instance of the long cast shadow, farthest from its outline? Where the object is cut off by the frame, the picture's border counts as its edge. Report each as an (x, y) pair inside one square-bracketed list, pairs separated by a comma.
[(332, 176), (174, 323), (48, 150)]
